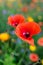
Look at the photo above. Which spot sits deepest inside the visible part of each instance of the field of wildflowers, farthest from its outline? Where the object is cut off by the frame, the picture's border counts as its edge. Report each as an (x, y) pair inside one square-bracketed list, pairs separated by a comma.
[(21, 32)]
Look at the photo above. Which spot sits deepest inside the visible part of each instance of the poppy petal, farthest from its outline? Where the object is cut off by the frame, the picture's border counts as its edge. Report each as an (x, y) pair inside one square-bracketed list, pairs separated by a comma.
[(31, 41)]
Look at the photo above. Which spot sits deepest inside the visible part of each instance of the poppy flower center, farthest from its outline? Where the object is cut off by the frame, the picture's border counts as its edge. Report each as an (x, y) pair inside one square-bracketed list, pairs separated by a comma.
[(26, 34), (15, 24)]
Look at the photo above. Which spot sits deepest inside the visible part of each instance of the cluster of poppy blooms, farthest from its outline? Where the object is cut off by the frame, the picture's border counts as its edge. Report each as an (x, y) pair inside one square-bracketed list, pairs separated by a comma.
[(25, 30)]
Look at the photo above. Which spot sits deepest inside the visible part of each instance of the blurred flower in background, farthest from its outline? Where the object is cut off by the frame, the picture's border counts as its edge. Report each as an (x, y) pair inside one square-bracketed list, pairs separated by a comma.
[(30, 19), (42, 61), (40, 41), (4, 12), (33, 57), (35, 1), (32, 48), (24, 9), (1, 1), (4, 36)]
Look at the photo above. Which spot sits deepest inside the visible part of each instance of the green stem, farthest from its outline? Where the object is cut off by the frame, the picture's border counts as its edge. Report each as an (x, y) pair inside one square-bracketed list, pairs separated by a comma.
[(19, 63)]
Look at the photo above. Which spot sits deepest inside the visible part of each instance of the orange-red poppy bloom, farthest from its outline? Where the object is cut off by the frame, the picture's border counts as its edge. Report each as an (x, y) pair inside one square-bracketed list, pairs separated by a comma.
[(33, 57), (40, 41), (25, 9), (35, 1), (41, 23), (15, 20), (26, 30)]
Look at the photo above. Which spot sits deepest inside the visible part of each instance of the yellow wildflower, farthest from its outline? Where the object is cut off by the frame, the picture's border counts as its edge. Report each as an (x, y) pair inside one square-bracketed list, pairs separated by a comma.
[(42, 61), (4, 36), (30, 19), (32, 48)]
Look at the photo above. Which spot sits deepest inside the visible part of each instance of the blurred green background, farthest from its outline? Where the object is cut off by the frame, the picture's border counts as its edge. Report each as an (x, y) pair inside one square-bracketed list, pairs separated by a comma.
[(14, 51)]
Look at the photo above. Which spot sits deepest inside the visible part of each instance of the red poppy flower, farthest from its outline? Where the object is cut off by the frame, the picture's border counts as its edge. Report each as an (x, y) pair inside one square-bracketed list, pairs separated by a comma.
[(15, 20), (26, 30), (40, 41), (35, 1), (41, 23), (25, 9), (33, 57), (32, 5)]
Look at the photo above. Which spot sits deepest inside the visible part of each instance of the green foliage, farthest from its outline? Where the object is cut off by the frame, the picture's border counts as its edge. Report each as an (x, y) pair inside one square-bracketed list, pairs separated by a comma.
[(26, 1), (8, 60), (17, 53)]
